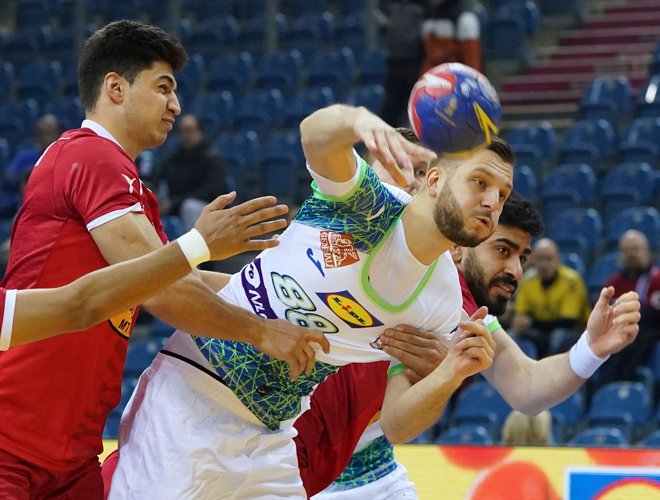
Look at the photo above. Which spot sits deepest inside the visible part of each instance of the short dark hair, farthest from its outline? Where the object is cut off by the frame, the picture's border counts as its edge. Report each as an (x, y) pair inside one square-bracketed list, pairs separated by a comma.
[(409, 135), (520, 213), (126, 47), (502, 149)]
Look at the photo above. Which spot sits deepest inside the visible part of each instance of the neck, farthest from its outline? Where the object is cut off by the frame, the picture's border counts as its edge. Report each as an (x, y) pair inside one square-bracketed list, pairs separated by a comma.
[(424, 240), (122, 136)]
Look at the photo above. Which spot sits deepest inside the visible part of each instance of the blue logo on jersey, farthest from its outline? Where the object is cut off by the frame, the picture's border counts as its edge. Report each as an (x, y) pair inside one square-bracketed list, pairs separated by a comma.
[(349, 310), (310, 254), (255, 291)]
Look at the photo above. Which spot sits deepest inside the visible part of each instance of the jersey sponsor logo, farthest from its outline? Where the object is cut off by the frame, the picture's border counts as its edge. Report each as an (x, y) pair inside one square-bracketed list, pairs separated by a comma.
[(123, 323), (255, 291), (338, 249), (310, 256), (130, 181), (344, 305)]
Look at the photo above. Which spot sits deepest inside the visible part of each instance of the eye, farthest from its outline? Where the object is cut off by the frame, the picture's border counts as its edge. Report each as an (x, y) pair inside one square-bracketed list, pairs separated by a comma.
[(164, 89), (420, 172), (503, 251), (523, 259), (479, 182)]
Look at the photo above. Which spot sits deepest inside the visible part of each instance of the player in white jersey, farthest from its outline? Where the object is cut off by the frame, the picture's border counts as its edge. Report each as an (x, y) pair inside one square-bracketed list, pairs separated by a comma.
[(211, 419)]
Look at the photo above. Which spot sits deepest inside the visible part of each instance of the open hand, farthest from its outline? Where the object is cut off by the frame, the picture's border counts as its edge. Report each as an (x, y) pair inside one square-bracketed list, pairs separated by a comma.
[(610, 328)]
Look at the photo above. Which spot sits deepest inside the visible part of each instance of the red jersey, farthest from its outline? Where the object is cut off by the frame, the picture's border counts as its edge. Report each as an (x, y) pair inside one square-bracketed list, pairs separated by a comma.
[(341, 409), (647, 286), (55, 394)]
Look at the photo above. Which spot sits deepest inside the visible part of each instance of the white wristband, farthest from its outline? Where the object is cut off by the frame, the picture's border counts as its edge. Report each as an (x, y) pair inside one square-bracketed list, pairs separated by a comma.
[(194, 247), (583, 360), (7, 320)]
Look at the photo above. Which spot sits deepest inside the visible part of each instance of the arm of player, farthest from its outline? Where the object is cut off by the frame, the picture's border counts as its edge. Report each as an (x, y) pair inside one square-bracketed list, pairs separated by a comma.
[(408, 410), (328, 136), (532, 386), (193, 307)]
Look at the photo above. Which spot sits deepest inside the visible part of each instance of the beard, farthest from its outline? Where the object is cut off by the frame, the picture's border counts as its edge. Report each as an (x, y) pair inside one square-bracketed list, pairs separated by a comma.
[(476, 280), (448, 218)]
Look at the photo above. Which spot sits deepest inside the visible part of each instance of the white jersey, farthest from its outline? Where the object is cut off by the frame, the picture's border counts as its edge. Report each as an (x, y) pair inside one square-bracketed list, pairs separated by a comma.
[(342, 267)]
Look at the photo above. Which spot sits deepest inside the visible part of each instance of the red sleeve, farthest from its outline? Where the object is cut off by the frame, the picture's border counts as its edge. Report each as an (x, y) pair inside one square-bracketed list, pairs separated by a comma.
[(469, 304), (101, 181)]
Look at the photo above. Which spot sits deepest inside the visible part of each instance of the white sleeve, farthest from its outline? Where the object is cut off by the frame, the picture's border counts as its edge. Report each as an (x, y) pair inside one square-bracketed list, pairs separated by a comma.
[(332, 188)]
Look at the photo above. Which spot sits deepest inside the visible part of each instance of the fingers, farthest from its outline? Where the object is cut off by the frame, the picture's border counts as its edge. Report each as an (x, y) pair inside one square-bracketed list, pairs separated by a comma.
[(626, 309), (262, 214), (419, 152), (250, 206), (295, 368), (477, 343), (605, 297), (318, 338), (310, 358), (220, 202), (265, 228), (479, 313), (409, 335)]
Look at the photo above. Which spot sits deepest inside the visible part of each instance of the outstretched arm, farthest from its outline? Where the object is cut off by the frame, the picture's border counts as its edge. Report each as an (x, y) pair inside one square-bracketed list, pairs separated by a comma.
[(532, 386)]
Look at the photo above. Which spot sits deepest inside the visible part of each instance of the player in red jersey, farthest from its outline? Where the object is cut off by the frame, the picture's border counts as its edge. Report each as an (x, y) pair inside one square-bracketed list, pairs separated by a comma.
[(84, 208)]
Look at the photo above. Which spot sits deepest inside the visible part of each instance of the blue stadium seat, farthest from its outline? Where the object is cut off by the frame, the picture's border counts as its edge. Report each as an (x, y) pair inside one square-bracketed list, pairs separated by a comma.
[(307, 101), (111, 429), (11, 129), (644, 219), (576, 230), (26, 111), (608, 97), (242, 153), (6, 80), (639, 141), (309, 33), (128, 385), (575, 9), (524, 181), (466, 435), (172, 226), (212, 36), (527, 346), (622, 405), (574, 261), (480, 403), (215, 110), (5, 156), (654, 361), (160, 329), (213, 9), (68, 111), (39, 80), (651, 441), (605, 437), (332, 68), (600, 270), (24, 44), (648, 101), (32, 14), (252, 33), (281, 70), (654, 66), (505, 39), (588, 141), (140, 355), (260, 110), (540, 135), (369, 96), (567, 415), (191, 79), (233, 72), (372, 67), (350, 32), (568, 186), (627, 185), (283, 162), (525, 11)]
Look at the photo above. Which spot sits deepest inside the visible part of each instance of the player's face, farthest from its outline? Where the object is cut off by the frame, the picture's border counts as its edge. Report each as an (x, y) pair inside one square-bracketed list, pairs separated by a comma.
[(494, 268), (471, 200), (152, 105)]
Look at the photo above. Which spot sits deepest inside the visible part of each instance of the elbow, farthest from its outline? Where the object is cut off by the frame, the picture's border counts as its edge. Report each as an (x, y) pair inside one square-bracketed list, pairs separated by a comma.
[(531, 409), (91, 312), (395, 434)]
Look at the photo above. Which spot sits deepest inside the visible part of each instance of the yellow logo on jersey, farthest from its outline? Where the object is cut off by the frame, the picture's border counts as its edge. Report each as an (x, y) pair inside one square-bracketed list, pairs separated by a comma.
[(123, 323), (349, 310)]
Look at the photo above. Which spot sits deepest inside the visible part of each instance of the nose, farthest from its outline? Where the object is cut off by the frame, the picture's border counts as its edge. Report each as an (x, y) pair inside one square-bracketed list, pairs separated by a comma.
[(491, 198), (174, 105), (514, 268)]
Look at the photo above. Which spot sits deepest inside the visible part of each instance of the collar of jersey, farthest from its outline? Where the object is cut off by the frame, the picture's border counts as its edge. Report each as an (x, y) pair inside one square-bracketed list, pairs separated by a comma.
[(371, 292)]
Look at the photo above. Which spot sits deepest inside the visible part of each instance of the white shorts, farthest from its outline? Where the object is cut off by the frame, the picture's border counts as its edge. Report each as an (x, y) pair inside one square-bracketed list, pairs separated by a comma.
[(184, 435), (393, 486)]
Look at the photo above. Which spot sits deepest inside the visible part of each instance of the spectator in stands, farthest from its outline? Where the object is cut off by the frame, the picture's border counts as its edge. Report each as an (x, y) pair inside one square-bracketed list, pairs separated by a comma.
[(524, 430), (452, 32), (193, 176), (551, 305), (46, 131), (638, 273)]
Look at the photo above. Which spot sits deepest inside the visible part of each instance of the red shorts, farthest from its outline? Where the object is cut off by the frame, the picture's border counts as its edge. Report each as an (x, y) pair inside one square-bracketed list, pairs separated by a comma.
[(21, 480)]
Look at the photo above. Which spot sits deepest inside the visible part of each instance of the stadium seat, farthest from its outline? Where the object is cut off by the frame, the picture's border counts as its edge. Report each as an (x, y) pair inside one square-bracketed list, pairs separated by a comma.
[(242, 153), (654, 361), (140, 355), (576, 230), (369, 96), (575, 9), (588, 141), (466, 435), (128, 385), (6, 80), (39, 80), (526, 11), (654, 66), (111, 429), (651, 441), (574, 261), (608, 97), (24, 44), (567, 415), (648, 100), (622, 405), (540, 135), (600, 437), (172, 226), (527, 346), (25, 111), (192, 77), (600, 270), (332, 68), (524, 181), (68, 111), (644, 219), (373, 66), (213, 9), (233, 72), (260, 110), (625, 186), (215, 110), (281, 70), (251, 36), (350, 32), (568, 186), (212, 36), (307, 101), (505, 39), (283, 162), (480, 403), (639, 141), (308, 33)]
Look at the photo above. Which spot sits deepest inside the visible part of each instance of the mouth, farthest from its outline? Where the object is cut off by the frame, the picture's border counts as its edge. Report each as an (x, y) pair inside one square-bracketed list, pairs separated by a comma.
[(484, 221), (169, 122), (504, 289)]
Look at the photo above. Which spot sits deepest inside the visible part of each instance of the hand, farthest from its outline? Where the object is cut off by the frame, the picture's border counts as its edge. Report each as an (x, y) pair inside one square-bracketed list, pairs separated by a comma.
[(420, 351), (396, 153), (472, 347), (610, 328), (291, 343), (229, 231)]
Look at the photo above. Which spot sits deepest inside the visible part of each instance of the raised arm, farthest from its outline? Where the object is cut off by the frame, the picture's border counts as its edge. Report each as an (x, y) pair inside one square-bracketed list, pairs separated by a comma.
[(532, 386), (328, 136)]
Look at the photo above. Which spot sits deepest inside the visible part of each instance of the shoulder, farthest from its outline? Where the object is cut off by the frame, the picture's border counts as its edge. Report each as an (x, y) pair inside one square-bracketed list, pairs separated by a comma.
[(570, 275)]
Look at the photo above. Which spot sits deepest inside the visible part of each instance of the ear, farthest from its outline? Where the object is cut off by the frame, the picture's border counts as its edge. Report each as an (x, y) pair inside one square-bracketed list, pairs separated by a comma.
[(434, 180), (456, 254), (114, 87)]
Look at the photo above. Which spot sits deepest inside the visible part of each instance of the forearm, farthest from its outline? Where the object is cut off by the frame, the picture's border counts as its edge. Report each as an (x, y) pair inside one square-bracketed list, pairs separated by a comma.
[(410, 410), (214, 280)]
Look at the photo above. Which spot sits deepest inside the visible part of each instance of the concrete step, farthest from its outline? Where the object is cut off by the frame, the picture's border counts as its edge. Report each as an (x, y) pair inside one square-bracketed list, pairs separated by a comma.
[(637, 6), (603, 65), (545, 82), (599, 50), (613, 36), (634, 20), (519, 97)]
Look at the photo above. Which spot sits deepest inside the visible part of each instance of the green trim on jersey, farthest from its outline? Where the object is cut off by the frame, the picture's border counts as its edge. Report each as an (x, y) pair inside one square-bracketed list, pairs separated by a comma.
[(374, 461), (317, 193)]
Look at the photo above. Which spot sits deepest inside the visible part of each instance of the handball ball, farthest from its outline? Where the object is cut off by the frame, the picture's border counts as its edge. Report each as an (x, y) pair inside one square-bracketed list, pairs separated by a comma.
[(454, 109)]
